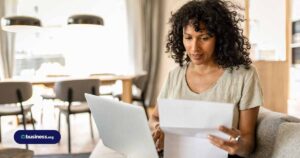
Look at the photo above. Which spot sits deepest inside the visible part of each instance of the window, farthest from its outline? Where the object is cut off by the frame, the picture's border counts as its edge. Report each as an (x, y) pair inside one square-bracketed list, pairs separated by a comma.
[(58, 49)]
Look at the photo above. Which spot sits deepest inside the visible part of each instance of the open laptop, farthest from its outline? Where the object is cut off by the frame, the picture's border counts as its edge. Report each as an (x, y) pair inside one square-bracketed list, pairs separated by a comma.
[(122, 127)]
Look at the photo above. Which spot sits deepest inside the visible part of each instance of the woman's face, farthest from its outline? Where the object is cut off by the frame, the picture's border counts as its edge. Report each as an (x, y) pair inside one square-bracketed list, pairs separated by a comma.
[(199, 46)]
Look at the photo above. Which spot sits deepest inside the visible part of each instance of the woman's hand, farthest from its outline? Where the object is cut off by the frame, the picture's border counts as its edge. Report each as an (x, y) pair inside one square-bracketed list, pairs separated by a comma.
[(246, 133), (158, 137), (234, 146)]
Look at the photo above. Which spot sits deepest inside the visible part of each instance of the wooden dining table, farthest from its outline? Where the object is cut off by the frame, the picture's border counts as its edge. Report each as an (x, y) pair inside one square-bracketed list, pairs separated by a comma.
[(103, 79)]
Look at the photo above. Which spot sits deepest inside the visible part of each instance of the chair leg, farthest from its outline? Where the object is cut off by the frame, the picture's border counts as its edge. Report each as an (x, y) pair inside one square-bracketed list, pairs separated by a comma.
[(32, 120), (42, 116), (24, 121), (24, 125), (0, 131), (91, 125), (69, 133), (145, 108), (59, 124), (59, 121)]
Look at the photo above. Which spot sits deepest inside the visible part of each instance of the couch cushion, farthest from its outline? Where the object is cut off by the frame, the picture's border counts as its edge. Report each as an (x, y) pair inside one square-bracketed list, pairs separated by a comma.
[(287, 141), (267, 125)]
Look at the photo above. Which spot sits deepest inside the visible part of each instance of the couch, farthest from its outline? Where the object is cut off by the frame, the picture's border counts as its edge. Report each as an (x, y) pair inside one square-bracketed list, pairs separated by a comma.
[(277, 135)]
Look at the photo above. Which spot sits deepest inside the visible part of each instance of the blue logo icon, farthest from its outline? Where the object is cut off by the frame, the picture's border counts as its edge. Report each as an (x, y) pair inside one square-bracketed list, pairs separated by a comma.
[(37, 136)]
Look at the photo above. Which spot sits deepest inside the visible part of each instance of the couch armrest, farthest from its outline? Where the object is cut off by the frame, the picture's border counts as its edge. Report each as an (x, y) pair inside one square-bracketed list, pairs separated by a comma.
[(287, 141), (267, 125)]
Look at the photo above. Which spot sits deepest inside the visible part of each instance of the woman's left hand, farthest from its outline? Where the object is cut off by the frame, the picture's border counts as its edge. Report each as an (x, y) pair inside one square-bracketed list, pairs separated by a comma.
[(233, 146)]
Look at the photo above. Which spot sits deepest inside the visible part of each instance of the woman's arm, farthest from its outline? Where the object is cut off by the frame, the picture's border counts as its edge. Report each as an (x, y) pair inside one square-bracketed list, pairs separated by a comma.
[(245, 145), (157, 133), (247, 126), (154, 120)]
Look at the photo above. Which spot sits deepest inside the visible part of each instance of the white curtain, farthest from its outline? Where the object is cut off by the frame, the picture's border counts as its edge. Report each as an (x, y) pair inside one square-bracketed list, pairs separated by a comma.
[(7, 40), (145, 40), (136, 34)]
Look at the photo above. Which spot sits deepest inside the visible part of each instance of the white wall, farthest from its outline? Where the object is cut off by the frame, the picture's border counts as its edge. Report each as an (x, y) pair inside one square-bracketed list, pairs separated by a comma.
[(295, 10), (268, 29)]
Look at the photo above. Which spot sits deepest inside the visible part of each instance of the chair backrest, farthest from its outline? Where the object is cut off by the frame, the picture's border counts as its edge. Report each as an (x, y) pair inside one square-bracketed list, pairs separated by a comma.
[(77, 87), (141, 82), (14, 91)]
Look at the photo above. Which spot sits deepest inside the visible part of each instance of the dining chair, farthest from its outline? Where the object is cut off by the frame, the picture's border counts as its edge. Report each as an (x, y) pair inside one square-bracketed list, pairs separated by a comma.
[(139, 82), (70, 91), (106, 88), (12, 97), (50, 96)]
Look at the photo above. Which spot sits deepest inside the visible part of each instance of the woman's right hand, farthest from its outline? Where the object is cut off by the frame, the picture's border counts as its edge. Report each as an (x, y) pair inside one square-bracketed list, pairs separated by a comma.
[(158, 137)]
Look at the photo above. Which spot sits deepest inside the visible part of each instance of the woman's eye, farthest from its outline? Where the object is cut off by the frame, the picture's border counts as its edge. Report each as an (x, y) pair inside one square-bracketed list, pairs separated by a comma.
[(204, 38), (188, 38)]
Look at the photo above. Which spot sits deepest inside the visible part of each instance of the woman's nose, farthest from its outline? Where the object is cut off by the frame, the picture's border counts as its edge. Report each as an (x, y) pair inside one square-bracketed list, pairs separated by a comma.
[(195, 46)]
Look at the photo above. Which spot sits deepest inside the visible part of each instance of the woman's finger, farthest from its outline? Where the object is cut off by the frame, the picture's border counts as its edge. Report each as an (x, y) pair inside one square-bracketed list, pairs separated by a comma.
[(232, 132), (160, 143), (229, 146), (220, 141), (156, 134)]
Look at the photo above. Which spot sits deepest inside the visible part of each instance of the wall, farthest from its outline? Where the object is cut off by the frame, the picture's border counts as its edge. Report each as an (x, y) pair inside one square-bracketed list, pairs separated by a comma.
[(274, 75), (274, 81), (267, 29), (295, 10)]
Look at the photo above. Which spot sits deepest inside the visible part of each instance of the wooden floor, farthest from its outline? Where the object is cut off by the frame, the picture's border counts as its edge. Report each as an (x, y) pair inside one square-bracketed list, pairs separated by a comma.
[(80, 129)]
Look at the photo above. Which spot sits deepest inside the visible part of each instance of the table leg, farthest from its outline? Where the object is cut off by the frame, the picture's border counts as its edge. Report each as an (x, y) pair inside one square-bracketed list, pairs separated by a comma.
[(127, 90)]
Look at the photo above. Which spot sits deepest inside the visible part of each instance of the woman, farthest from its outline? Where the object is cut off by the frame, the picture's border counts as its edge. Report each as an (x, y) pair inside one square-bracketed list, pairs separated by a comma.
[(214, 65)]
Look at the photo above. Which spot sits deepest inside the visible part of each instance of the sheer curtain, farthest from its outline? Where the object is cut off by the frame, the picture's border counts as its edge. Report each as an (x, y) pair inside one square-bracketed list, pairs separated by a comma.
[(7, 8), (145, 41)]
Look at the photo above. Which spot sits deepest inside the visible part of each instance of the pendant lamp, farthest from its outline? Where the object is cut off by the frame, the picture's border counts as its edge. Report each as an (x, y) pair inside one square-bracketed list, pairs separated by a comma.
[(83, 19), (20, 24)]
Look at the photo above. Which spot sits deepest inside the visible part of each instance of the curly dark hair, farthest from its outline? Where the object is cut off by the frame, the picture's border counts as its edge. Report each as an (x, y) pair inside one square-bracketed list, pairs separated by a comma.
[(232, 47)]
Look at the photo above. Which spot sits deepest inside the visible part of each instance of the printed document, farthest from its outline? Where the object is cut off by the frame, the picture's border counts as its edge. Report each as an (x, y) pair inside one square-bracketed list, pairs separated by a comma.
[(187, 123)]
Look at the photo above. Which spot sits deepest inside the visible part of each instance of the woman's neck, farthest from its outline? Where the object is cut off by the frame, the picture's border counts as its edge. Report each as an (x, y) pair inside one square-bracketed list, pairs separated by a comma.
[(204, 68)]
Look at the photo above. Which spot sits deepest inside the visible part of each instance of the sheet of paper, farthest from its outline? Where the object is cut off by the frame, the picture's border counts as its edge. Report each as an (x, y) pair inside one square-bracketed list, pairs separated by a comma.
[(187, 124), (191, 147)]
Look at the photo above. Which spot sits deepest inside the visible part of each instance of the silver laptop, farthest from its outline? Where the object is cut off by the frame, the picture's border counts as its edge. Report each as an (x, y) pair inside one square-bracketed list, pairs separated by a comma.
[(122, 127)]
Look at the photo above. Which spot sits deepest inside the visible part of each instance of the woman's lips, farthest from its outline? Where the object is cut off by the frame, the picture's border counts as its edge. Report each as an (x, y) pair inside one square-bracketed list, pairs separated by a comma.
[(197, 56)]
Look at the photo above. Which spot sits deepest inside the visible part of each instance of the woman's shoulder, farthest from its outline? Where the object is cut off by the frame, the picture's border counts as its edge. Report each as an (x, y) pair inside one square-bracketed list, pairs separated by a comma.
[(243, 71), (178, 70)]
